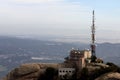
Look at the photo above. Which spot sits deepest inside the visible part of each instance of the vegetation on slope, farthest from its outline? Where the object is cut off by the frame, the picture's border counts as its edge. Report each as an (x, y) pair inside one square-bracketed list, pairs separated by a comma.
[(50, 74)]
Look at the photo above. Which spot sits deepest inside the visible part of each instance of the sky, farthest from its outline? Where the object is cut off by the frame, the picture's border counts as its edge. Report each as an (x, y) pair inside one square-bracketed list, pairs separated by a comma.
[(67, 20)]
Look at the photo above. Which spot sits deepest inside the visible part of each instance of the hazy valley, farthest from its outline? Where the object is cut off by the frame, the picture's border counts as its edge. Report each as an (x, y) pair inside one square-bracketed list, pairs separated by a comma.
[(16, 51)]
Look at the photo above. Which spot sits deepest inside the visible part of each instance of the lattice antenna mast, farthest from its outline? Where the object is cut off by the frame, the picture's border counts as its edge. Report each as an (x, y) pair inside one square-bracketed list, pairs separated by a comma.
[(93, 47)]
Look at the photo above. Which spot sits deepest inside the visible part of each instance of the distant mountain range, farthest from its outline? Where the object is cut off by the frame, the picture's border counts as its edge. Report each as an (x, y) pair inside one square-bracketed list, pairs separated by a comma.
[(16, 51)]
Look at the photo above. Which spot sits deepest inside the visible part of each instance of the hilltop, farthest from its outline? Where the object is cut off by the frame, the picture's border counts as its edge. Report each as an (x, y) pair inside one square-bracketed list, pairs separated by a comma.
[(38, 71)]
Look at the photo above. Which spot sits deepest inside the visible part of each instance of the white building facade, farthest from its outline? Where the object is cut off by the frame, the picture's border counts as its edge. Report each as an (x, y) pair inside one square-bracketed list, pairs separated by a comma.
[(66, 72)]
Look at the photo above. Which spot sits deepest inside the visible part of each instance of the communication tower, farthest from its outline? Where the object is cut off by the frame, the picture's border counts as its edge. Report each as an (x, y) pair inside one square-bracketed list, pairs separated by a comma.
[(93, 46)]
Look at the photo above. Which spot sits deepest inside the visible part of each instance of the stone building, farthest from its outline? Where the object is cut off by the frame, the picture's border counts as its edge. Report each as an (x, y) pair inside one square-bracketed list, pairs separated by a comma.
[(76, 60)]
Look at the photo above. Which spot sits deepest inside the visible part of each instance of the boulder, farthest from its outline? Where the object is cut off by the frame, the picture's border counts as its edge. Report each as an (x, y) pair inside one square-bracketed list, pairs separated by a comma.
[(30, 71), (109, 76)]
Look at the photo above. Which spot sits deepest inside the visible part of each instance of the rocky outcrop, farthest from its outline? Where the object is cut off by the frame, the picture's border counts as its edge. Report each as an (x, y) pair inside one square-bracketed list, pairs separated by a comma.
[(33, 71), (110, 76), (28, 71)]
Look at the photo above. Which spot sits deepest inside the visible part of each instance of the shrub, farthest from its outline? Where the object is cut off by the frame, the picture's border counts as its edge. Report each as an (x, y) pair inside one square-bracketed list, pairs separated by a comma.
[(93, 58), (49, 74)]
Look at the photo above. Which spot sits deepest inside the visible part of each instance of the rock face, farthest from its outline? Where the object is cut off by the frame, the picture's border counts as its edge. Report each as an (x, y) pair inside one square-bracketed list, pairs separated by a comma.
[(29, 71), (110, 76), (33, 71)]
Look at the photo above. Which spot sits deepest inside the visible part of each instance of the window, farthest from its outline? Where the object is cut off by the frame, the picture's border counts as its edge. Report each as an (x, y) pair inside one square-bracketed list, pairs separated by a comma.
[(60, 71)]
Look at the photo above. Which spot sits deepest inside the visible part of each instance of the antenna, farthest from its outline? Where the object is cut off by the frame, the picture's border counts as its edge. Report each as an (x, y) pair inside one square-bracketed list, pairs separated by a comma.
[(93, 47)]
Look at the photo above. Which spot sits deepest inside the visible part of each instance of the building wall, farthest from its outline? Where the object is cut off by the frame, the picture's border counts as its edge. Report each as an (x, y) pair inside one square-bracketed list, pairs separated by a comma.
[(66, 71), (79, 58), (87, 54), (80, 63)]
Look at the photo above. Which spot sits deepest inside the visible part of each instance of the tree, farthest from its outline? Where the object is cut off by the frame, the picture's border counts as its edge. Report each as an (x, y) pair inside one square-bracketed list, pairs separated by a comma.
[(93, 58), (49, 74), (84, 74)]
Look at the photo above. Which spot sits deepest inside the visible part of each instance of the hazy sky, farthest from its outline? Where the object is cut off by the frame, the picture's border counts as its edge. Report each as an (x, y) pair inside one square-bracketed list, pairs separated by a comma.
[(64, 18)]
